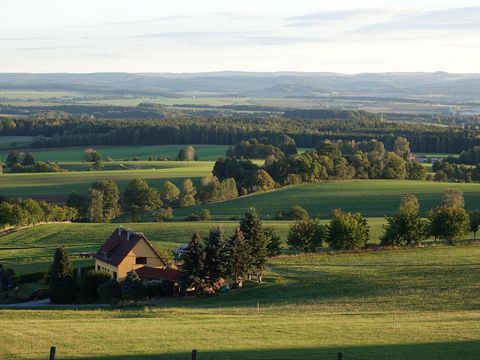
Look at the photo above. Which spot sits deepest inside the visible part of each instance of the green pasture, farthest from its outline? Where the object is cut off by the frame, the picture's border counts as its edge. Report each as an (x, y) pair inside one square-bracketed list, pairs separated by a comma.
[(46, 185), (76, 154), (405, 304), (369, 197), (30, 250)]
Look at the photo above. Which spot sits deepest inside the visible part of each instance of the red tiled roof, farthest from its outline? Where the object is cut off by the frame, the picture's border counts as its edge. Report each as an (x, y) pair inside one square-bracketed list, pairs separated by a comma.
[(119, 244), (147, 272)]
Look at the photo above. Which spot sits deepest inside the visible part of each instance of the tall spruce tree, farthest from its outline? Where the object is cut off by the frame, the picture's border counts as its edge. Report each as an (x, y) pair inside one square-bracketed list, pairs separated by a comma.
[(251, 227), (63, 287), (194, 261), (238, 255), (216, 256)]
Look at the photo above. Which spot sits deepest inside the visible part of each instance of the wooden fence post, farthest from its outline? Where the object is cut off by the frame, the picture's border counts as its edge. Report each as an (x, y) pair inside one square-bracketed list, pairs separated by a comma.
[(340, 356), (53, 350), (194, 354)]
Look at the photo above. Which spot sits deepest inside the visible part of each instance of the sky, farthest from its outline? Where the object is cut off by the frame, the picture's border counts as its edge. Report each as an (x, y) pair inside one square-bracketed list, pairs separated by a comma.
[(350, 36)]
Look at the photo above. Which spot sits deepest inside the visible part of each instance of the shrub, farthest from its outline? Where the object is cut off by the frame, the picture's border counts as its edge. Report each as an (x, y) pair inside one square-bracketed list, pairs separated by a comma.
[(165, 214), (132, 287), (110, 291), (306, 235), (155, 288), (347, 231), (90, 284), (64, 291)]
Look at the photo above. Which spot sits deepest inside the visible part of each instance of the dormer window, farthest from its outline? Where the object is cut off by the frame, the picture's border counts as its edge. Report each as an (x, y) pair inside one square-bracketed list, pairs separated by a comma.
[(141, 260)]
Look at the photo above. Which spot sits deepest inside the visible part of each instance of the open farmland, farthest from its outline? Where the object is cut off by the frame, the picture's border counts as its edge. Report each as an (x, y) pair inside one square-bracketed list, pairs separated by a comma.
[(310, 307)]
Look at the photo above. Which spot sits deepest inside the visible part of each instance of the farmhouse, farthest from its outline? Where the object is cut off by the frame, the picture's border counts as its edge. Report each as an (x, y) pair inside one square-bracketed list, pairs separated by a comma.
[(126, 250)]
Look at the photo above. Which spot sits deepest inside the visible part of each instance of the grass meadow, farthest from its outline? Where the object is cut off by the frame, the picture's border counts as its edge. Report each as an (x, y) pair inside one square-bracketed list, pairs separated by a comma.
[(120, 153), (372, 198), (402, 304)]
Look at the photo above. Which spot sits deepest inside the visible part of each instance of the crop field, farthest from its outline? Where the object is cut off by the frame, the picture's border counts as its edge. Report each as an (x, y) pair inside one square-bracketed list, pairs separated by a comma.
[(76, 154), (369, 197), (309, 307)]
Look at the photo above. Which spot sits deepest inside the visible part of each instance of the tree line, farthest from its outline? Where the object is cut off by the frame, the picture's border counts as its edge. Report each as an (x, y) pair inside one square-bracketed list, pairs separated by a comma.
[(229, 130), (330, 161), (25, 212)]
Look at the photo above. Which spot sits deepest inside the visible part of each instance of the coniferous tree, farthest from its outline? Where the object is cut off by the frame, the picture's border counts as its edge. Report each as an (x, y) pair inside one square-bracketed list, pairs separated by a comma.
[(63, 287), (194, 261), (474, 223), (251, 227), (274, 246), (216, 256), (238, 255)]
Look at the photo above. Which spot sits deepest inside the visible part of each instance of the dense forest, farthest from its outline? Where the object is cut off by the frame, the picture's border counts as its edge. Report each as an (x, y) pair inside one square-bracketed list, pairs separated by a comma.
[(84, 130)]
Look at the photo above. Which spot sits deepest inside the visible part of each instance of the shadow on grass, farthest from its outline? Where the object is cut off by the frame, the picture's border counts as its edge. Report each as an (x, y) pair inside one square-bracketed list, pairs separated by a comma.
[(465, 350)]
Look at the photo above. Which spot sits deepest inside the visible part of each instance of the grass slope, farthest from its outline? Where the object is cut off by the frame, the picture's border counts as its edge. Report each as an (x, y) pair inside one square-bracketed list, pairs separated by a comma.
[(406, 304), (370, 197), (61, 184), (31, 249)]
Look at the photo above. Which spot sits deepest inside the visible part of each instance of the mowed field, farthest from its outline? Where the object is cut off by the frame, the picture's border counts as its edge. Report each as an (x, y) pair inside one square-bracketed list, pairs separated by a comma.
[(406, 304)]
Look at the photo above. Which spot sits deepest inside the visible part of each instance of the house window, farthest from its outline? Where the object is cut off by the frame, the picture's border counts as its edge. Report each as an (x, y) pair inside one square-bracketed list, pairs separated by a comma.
[(141, 260), (98, 267), (115, 275)]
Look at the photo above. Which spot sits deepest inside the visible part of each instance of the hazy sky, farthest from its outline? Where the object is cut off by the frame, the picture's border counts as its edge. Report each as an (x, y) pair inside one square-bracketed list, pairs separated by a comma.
[(249, 35)]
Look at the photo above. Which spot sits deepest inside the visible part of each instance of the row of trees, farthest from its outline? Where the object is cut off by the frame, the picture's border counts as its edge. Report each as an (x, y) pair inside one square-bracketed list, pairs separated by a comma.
[(446, 171), (346, 231), (217, 256), (25, 212), (20, 162), (102, 202), (229, 130)]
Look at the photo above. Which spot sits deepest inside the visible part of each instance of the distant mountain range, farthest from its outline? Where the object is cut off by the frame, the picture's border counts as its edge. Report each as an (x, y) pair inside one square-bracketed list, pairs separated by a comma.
[(438, 86)]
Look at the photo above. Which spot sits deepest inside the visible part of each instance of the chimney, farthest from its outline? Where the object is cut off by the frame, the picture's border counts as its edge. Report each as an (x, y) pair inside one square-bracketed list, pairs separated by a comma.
[(128, 235), (120, 228)]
